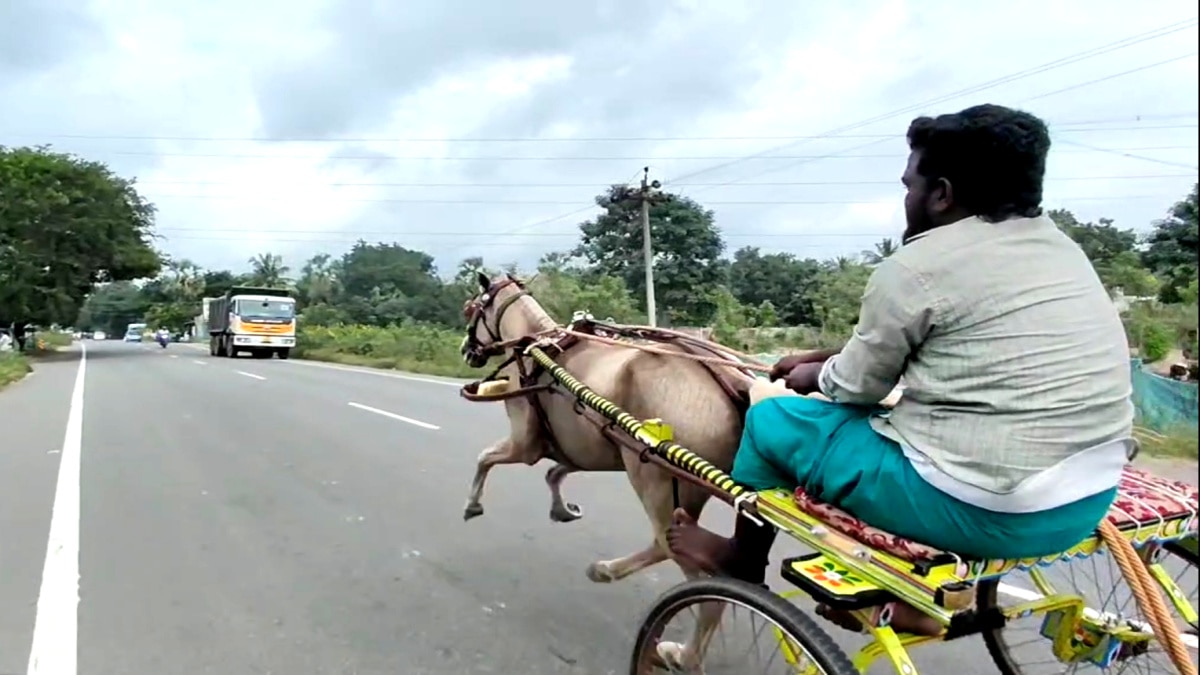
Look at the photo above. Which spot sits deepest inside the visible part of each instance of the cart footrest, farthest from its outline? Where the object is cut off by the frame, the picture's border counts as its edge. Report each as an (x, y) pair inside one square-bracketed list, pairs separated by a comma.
[(830, 583)]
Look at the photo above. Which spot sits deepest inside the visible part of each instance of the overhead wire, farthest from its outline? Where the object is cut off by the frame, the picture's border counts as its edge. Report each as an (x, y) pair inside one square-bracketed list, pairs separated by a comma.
[(1070, 59)]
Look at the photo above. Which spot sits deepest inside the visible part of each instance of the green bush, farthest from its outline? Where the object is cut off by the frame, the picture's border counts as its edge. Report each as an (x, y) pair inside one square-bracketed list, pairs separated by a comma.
[(412, 347), (12, 368), (1156, 342)]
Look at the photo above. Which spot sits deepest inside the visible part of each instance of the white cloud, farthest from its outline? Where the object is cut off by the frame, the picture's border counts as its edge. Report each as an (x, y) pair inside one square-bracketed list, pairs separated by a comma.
[(187, 79)]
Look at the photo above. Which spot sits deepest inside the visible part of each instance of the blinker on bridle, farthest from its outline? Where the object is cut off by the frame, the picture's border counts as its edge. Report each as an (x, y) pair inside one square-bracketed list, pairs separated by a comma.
[(476, 311)]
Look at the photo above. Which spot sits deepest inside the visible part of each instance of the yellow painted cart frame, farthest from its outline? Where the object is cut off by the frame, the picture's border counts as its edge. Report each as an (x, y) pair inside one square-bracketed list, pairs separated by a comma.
[(847, 574)]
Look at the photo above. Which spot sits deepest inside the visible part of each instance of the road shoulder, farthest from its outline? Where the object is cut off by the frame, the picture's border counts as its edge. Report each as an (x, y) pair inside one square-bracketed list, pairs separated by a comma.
[(33, 417)]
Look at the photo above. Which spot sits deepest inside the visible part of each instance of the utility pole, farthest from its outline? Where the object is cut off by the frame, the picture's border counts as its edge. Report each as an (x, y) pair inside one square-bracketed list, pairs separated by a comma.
[(646, 194)]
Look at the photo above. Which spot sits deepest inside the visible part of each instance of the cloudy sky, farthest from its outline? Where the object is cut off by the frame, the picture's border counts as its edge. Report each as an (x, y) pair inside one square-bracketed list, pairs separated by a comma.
[(465, 127)]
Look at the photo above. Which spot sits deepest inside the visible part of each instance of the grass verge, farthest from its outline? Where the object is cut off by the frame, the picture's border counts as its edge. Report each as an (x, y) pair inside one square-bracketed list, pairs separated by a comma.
[(13, 367), (414, 348), (1175, 444), (53, 340), (432, 350)]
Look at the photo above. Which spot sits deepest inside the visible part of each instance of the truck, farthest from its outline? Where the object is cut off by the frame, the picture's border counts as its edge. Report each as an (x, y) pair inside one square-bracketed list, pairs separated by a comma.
[(261, 321)]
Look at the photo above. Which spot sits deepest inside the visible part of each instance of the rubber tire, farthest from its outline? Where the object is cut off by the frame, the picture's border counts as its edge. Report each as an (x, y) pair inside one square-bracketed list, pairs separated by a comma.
[(230, 352), (284, 353), (985, 599), (798, 625)]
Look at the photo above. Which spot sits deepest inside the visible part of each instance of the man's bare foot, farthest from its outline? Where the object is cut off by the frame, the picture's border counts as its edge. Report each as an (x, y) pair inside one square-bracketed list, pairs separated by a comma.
[(707, 551), (905, 619)]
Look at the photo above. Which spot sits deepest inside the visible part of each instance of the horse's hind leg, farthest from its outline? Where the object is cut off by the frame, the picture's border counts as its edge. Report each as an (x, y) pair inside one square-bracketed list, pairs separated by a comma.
[(561, 511), (654, 489), (606, 571), (501, 452)]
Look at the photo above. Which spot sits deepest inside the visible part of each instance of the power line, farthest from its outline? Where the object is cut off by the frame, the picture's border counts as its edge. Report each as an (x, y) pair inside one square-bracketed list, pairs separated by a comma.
[(582, 139), (1122, 153), (838, 154), (456, 202), (1059, 63), (1114, 76), (1056, 134), (1012, 77), (458, 234), (890, 181)]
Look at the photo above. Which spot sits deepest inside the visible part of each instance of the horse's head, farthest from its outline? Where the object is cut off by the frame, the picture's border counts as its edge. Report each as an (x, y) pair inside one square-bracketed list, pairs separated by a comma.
[(483, 313)]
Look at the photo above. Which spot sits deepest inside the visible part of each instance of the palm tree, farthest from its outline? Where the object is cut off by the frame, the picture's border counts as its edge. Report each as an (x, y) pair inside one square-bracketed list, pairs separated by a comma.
[(883, 249), (267, 269), (318, 280)]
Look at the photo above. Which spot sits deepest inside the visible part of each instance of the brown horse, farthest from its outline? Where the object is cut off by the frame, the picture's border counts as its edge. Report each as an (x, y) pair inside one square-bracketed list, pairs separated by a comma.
[(682, 392)]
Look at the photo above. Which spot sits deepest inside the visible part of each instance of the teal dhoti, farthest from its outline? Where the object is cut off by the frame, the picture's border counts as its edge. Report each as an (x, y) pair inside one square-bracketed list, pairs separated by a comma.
[(832, 452)]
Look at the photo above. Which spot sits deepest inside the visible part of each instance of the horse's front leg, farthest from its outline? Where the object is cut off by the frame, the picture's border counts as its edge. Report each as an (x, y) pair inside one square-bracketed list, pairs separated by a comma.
[(561, 511), (501, 452)]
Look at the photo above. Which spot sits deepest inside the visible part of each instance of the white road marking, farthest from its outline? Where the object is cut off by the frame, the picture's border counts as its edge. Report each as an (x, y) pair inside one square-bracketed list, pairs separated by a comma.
[(174, 356), (55, 648), (199, 362), (378, 373), (365, 371), (402, 418), (1025, 595), (242, 372)]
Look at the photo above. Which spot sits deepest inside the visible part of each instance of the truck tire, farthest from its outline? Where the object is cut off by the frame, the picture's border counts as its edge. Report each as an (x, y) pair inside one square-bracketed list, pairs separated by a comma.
[(284, 353), (212, 346), (230, 350)]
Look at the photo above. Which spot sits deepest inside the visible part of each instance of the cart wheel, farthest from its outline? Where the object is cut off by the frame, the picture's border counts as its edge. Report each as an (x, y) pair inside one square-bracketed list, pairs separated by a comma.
[(754, 631), (1019, 649)]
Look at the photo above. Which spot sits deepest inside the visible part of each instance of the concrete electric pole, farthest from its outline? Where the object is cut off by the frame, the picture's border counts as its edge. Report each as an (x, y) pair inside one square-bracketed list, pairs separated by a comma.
[(647, 194)]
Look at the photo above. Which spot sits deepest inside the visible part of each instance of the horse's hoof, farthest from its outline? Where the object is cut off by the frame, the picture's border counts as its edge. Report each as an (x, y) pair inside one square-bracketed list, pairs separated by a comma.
[(598, 573), (472, 511), (566, 513), (672, 654)]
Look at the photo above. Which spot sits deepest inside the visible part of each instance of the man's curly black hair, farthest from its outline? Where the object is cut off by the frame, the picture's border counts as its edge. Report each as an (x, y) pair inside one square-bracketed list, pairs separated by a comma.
[(994, 158)]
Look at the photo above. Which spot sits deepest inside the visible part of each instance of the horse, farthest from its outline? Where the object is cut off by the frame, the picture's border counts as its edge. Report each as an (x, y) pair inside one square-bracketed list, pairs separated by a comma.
[(545, 425)]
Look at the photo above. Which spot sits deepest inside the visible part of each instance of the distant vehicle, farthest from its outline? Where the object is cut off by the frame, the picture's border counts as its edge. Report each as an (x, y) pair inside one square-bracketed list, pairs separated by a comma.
[(99, 335), (135, 332), (261, 321)]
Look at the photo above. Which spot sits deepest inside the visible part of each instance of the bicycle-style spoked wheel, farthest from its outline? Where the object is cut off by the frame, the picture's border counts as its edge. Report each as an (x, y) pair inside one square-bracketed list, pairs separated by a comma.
[(1020, 648), (751, 631)]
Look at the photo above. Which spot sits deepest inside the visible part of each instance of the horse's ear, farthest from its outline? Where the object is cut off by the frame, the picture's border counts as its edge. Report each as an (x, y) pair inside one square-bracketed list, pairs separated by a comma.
[(484, 282)]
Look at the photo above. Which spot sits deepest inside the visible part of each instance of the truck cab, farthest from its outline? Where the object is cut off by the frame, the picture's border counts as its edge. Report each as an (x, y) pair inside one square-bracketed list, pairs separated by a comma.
[(259, 321)]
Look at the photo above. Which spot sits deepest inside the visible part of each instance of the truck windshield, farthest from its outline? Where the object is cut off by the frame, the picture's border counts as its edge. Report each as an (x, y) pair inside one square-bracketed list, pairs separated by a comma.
[(266, 309)]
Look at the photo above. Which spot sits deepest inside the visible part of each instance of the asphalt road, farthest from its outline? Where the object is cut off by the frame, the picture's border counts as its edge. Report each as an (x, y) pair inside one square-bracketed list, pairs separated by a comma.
[(292, 518)]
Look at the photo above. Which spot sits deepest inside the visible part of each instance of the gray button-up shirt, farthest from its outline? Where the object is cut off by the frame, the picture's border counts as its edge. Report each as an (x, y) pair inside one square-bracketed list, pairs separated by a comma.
[(1015, 364)]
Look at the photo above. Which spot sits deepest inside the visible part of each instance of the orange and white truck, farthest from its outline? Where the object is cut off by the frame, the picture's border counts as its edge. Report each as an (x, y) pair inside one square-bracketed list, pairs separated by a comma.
[(261, 321)]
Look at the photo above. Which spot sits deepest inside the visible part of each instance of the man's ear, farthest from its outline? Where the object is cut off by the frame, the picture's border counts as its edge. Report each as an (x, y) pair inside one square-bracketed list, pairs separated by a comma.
[(943, 196), (484, 282)]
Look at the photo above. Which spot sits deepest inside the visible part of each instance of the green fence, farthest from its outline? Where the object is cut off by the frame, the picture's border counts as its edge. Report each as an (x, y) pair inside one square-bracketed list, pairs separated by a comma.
[(1163, 404)]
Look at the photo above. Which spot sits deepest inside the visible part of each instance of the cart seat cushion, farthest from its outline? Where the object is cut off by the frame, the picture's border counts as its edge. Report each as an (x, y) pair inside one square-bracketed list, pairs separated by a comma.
[(1143, 500)]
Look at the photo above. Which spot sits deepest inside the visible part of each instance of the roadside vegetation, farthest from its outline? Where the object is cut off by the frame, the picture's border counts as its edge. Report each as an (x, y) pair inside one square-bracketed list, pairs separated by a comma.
[(386, 305), (13, 367)]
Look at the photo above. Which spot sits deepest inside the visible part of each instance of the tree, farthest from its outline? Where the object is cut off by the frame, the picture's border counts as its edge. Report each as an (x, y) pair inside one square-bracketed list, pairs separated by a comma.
[(267, 269), (386, 283), (66, 224), (218, 282), (687, 252), (1112, 251), (836, 296), (883, 248), (780, 279), (111, 307), (318, 282), (1171, 247)]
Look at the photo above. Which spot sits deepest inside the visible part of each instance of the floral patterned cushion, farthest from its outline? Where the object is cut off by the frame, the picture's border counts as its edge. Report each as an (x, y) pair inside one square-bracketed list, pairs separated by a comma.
[(1143, 499)]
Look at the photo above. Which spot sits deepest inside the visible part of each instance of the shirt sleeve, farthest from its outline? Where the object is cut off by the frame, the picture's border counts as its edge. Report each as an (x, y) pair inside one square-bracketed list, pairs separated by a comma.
[(896, 316)]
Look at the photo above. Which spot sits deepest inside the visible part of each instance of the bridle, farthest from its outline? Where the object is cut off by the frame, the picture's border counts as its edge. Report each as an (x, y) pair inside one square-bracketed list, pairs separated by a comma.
[(476, 315)]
